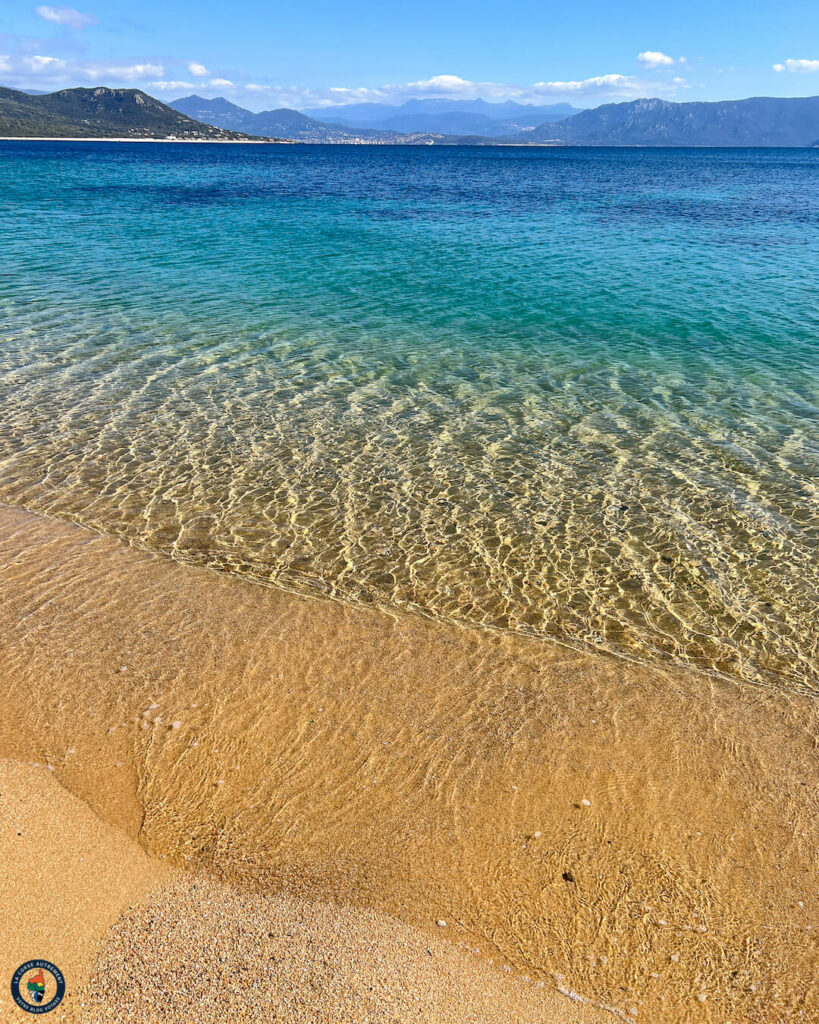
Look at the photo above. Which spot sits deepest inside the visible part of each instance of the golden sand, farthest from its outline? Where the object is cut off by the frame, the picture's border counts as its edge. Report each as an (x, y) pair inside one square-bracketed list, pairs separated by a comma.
[(644, 838), (65, 878), (185, 942)]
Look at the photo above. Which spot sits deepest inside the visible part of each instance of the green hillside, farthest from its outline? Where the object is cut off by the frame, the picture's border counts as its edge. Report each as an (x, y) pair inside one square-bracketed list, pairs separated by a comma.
[(99, 113)]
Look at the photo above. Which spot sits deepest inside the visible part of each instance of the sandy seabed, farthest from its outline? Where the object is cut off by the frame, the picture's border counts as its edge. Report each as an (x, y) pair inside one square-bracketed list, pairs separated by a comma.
[(225, 796)]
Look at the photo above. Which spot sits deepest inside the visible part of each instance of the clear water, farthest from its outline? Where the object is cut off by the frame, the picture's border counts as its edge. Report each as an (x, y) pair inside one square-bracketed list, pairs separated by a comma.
[(571, 393)]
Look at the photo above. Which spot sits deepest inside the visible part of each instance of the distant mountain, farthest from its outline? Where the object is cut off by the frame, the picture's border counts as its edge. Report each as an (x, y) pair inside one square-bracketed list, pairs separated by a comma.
[(98, 113), (648, 122), (448, 117), (289, 124), (761, 121), (451, 122), (130, 113), (219, 112)]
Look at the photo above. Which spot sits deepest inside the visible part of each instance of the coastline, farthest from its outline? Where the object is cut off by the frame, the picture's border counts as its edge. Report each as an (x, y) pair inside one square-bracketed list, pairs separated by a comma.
[(643, 837), (96, 138)]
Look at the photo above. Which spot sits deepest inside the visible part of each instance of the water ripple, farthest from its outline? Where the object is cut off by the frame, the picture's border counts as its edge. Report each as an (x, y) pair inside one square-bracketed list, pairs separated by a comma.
[(572, 395)]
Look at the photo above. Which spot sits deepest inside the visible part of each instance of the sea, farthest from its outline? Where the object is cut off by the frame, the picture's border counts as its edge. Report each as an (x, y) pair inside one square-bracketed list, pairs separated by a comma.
[(569, 393)]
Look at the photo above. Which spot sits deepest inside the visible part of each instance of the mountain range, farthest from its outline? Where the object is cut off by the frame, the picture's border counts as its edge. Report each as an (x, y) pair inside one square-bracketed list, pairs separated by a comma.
[(99, 113), (760, 121), (130, 113), (290, 124), (448, 117), (413, 121)]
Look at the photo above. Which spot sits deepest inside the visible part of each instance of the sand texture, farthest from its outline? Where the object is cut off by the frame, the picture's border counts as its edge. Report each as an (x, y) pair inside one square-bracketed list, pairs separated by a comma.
[(65, 877), (644, 838), (250, 958), (187, 942)]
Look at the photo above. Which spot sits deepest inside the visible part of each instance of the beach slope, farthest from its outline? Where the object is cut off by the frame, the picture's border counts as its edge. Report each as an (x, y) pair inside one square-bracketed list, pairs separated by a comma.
[(644, 838)]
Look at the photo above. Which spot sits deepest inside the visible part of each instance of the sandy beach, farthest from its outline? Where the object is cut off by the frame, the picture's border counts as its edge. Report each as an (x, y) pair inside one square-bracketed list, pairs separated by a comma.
[(301, 790), (141, 941)]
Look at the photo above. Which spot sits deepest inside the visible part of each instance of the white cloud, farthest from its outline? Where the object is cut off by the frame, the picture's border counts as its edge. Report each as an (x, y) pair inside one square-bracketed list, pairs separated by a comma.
[(122, 73), (798, 65), (617, 84), (198, 69), (170, 86), (441, 85), (43, 72), (37, 64), (66, 16), (656, 59), (452, 87)]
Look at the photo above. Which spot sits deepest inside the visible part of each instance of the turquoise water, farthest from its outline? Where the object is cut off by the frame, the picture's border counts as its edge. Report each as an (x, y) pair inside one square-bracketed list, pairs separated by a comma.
[(571, 393)]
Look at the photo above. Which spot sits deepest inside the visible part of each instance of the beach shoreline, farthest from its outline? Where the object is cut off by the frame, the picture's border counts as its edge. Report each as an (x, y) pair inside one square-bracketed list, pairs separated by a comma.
[(137, 940), (220, 142), (641, 836)]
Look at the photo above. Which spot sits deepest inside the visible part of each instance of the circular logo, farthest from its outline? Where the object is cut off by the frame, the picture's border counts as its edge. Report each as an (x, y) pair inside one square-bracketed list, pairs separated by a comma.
[(38, 986)]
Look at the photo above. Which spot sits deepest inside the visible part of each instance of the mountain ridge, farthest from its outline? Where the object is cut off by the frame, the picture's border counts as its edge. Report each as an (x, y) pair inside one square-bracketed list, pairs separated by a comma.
[(458, 117), (100, 112), (756, 121), (292, 124), (759, 121)]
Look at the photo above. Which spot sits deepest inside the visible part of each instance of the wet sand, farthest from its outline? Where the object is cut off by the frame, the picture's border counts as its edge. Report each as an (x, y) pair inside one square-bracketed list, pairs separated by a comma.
[(645, 838), (141, 942)]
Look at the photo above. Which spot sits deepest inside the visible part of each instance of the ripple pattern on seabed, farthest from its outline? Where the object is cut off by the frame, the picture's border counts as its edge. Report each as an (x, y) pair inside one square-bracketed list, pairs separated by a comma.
[(587, 414)]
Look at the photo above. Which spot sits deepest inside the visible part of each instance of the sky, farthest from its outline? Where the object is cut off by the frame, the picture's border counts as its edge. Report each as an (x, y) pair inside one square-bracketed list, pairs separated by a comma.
[(322, 53)]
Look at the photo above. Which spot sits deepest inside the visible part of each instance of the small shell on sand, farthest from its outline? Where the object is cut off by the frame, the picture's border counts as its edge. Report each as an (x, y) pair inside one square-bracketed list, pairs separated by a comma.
[(441, 922), (586, 803)]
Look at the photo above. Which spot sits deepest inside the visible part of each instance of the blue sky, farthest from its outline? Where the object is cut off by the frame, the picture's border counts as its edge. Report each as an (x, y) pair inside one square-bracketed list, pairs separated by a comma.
[(322, 52)]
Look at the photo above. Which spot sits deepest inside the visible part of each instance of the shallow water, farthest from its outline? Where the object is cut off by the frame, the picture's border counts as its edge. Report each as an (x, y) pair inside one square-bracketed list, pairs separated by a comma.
[(337, 753), (571, 393)]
